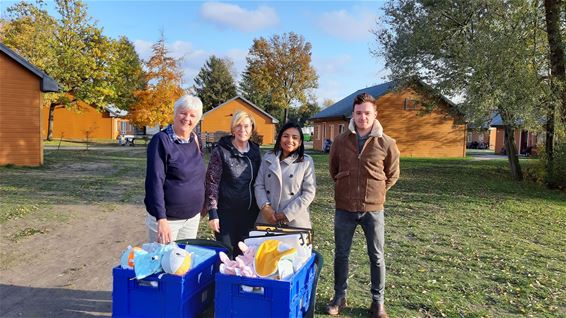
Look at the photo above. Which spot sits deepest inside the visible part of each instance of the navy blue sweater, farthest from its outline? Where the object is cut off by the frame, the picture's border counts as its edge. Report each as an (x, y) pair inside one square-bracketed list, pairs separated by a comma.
[(174, 182)]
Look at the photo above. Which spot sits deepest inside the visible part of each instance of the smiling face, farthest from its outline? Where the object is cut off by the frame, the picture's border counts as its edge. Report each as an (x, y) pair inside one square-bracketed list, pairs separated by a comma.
[(243, 131), (185, 121), (364, 115), (290, 141)]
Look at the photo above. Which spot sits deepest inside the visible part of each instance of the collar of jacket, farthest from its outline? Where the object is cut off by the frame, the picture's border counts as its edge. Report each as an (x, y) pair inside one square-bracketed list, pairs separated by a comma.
[(226, 142), (272, 157), (376, 130)]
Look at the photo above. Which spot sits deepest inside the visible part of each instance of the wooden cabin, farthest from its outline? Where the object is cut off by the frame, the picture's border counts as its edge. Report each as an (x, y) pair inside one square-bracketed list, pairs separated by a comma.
[(418, 132), (21, 88), (217, 120), (86, 122), (527, 142)]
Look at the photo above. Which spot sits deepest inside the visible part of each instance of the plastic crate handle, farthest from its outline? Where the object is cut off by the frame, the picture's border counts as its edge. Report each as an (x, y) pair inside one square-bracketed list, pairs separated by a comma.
[(254, 290), (153, 284)]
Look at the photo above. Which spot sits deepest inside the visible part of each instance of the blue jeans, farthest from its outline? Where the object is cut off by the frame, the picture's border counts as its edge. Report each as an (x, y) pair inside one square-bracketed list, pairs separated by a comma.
[(345, 224)]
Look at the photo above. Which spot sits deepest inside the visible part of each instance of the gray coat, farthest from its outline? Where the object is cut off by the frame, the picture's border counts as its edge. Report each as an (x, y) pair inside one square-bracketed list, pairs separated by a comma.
[(288, 186)]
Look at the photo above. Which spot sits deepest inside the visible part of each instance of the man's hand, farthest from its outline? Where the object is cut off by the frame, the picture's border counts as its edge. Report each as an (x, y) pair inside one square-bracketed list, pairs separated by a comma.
[(163, 231)]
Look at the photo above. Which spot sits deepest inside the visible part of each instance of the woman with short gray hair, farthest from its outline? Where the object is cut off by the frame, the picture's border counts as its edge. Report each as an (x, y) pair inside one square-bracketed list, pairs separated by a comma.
[(174, 183)]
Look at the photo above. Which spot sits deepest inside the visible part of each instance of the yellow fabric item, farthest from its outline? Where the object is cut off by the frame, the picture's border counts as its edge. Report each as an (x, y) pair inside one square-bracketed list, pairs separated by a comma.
[(267, 257), (185, 266)]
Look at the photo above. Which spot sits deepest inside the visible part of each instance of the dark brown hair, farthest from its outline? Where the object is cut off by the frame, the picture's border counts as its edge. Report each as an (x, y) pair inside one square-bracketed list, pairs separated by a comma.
[(362, 98), (300, 150)]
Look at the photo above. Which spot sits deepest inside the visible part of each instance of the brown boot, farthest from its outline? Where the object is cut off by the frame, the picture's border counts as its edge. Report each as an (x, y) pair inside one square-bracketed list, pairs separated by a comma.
[(377, 310), (334, 307)]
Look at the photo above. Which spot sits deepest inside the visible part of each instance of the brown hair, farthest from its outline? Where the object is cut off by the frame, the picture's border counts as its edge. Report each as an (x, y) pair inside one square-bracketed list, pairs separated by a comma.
[(362, 98)]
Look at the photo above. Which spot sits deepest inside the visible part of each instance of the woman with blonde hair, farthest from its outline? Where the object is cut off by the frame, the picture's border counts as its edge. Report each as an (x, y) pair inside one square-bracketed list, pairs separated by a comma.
[(232, 170)]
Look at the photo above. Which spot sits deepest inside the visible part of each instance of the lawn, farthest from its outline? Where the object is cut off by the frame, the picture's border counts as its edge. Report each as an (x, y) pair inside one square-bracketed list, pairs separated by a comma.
[(462, 239)]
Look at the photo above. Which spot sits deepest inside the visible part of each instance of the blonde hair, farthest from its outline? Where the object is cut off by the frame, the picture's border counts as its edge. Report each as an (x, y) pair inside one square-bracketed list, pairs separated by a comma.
[(240, 117)]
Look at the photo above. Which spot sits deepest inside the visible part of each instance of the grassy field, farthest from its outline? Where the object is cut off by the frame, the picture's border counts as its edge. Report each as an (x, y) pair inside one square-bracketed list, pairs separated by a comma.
[(462, 239)]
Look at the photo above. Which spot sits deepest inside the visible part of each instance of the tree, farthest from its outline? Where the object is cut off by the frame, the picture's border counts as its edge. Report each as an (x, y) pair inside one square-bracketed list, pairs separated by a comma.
[(303, 113), (214, 83), (125, 72), (557, 79), (154, 104), (72, 50), (29, 30), (251, 90), (327, 102), (489, 51), (281, 69)]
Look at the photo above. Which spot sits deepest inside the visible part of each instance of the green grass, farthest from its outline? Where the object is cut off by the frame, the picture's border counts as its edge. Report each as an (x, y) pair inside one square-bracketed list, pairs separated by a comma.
[(462, 238)]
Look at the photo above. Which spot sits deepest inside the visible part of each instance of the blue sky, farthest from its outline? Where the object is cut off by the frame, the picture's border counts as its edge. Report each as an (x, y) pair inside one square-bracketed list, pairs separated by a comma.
[(338, 31)]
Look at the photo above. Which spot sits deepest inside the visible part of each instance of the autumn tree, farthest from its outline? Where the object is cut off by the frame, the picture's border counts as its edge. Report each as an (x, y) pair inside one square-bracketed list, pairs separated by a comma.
[(280, 67), (327, 102), (490, 52), (251, 90), (154, 103), (214, 83), (73, 51)]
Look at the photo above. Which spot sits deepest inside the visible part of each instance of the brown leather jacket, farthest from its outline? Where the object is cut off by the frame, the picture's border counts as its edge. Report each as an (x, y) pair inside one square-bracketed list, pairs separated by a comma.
[(362, 180)]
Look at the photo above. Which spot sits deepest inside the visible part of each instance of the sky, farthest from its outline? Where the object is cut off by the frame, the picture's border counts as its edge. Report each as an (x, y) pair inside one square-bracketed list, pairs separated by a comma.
[(339, 32)]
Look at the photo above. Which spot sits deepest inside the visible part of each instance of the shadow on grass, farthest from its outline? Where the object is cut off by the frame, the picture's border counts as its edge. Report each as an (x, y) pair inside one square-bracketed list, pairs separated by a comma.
[(22, 301)]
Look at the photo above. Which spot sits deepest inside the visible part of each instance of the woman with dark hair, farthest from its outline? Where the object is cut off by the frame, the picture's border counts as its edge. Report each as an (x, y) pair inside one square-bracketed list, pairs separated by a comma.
[(286, 184)]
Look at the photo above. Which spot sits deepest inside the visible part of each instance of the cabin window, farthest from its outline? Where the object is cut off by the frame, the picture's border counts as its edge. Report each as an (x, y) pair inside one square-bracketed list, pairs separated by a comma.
[(124, 127), (317, 132), (410, 104), (340, 128)]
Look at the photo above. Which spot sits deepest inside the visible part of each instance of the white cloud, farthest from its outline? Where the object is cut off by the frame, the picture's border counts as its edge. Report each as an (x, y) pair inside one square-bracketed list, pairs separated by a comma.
[(227, 15), (348, 26), (143, 48), (193, 59), (333, 65), (238, 56)]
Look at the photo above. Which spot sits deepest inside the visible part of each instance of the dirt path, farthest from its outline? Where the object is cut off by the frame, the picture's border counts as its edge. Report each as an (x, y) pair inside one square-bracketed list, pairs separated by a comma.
[(66, 271)]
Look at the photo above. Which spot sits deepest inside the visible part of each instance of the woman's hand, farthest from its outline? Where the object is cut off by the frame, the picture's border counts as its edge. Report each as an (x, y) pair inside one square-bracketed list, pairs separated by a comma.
[(163, 231), (281, 218), (268, 214), (214, 225)]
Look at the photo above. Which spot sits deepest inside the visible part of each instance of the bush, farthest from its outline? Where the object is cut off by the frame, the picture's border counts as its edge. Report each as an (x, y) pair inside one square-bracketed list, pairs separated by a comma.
[(537, 172), (308, 137)]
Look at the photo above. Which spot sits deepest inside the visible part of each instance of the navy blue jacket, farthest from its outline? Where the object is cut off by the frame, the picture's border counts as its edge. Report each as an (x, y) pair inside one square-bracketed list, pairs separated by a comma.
[(174, 182)]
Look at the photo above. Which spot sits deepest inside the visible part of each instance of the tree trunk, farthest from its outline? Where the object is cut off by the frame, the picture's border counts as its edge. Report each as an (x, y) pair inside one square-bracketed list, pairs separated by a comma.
[(549, 143), (557, 79), (50, 122), (553, 10), (512, 155), (285, 115)]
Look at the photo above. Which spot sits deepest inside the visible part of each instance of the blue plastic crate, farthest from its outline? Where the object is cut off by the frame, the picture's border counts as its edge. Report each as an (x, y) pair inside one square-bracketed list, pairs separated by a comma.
[(267, 298), (169, 296)]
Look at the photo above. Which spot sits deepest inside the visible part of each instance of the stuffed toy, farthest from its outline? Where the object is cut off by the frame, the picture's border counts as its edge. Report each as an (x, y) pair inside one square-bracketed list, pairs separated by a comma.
[(268, 255), (176, 261), (242, 265), (127, 258)]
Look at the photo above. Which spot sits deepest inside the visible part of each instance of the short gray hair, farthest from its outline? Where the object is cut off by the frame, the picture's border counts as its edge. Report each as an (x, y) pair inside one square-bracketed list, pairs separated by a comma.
[(189, 102)]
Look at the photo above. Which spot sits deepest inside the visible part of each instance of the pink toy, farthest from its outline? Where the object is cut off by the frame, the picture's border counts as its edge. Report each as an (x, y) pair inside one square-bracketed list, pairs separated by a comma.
[(242, 266)]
